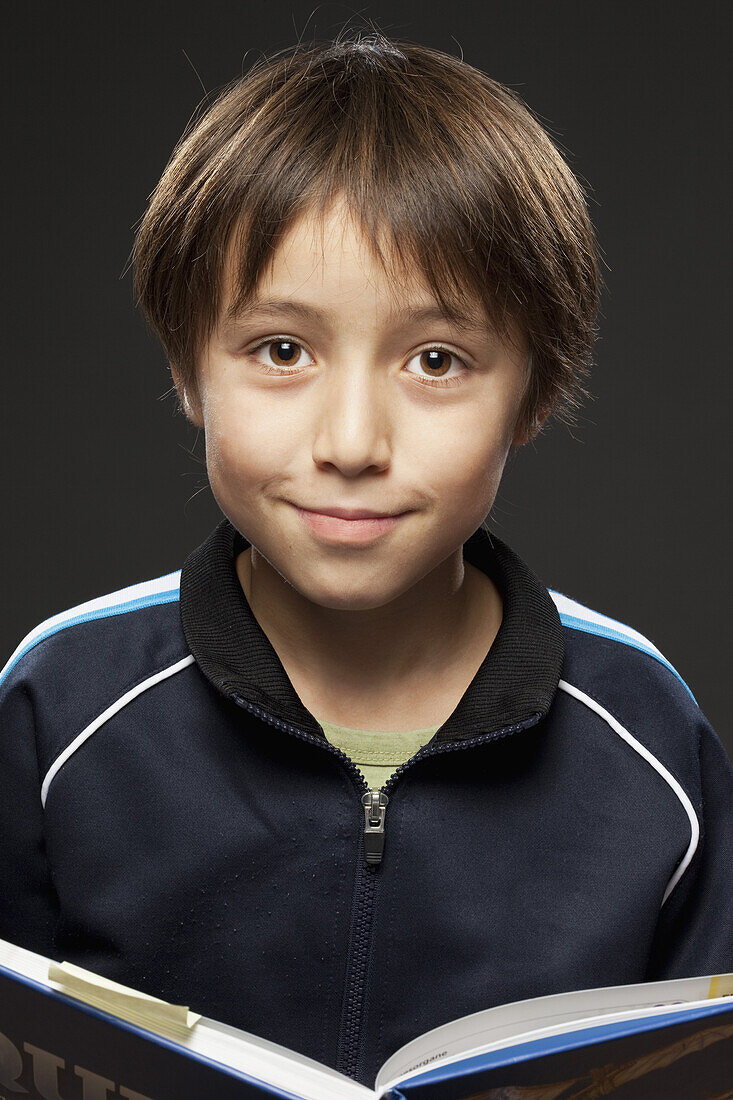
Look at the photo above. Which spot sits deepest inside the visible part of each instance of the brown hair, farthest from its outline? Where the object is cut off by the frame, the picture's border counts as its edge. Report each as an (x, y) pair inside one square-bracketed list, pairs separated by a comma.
[(446, 165)]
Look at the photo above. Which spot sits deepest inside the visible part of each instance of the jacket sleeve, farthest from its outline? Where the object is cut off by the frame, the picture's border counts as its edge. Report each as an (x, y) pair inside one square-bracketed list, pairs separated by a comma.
[(28, 902), (694, 934)]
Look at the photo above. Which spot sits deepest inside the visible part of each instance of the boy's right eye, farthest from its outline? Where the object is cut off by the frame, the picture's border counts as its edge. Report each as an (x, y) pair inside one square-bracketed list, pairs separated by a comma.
[(281, 352)]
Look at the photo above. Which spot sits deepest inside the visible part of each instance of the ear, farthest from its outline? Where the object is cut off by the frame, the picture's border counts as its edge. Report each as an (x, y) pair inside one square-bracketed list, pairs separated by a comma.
[(527, 432), (189, 398)]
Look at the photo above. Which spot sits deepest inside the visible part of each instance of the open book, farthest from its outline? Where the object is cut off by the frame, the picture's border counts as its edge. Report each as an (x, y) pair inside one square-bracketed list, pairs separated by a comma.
[(67, 1033)]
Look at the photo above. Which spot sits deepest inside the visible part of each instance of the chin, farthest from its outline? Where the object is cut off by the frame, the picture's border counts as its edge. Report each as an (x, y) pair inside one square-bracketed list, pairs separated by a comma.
[(360, 597)]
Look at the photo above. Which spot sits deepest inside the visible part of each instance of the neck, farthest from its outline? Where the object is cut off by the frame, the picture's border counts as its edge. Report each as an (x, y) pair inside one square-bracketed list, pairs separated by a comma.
[(405, 664)]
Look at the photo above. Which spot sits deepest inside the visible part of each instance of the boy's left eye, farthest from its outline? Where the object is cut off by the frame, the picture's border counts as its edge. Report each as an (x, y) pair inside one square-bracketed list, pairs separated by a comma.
[(434, 363)]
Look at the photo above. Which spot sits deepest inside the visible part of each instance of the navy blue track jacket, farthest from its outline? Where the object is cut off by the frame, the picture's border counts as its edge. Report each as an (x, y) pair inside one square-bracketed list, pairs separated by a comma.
[(174, 818)]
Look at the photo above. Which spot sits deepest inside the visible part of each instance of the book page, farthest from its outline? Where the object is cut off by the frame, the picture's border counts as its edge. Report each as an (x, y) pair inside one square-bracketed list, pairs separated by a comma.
[(504, 1024)]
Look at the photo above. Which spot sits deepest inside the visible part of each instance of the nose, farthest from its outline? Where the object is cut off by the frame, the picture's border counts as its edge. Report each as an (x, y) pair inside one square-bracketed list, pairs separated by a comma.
[(352, 423)]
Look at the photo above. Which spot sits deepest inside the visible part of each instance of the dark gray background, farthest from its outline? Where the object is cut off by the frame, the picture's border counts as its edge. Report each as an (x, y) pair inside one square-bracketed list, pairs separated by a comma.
[(628, 513)]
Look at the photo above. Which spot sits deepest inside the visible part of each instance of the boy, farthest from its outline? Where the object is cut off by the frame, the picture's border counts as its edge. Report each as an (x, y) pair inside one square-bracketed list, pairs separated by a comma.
[(354, 771)]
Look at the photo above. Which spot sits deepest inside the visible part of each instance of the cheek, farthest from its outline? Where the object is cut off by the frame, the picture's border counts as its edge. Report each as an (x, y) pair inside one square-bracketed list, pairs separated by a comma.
[(464, 465), (244, 450)]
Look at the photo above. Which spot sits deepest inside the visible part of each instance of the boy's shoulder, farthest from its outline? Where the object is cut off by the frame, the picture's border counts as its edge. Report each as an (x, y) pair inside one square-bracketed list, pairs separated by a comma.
[(615, 675), (80, 667), (112, 634), (596, 642)]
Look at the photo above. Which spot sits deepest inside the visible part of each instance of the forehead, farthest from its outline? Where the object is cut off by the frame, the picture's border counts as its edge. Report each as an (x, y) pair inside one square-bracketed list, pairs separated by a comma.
[(330, 251)]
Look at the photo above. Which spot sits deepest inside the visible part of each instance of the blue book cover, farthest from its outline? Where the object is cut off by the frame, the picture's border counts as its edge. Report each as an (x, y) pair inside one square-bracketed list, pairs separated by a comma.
[(685, 1055)]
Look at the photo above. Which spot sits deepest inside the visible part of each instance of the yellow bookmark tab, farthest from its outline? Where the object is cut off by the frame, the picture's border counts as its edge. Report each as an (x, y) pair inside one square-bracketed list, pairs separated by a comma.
[(721, 985), (118, 999)]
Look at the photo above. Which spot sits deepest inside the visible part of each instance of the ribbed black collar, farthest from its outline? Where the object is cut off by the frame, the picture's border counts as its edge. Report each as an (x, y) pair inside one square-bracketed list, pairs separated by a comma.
[(517, 679)]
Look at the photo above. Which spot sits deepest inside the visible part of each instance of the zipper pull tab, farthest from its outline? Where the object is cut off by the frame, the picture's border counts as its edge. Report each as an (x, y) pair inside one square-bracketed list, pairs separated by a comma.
[(374, 802)]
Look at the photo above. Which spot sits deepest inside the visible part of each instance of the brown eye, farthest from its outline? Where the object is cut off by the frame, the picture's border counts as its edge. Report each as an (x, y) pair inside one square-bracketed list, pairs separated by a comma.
[(284, 353), (430, 367), (281, 356), (436, 361)]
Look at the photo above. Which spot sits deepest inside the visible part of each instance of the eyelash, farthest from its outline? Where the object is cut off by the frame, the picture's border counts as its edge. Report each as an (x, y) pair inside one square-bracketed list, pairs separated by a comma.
[(435, 383)]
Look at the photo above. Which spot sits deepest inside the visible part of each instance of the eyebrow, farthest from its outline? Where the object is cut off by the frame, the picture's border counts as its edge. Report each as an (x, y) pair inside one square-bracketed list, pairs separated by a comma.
[(305, 312)]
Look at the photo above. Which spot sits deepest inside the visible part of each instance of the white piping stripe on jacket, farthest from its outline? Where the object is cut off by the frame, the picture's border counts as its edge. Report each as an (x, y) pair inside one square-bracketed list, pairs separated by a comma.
[(659, 767), (105, 715)]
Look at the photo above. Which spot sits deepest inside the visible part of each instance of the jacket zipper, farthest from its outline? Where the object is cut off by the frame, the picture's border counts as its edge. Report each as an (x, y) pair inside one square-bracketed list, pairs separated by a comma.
[(375, 801)]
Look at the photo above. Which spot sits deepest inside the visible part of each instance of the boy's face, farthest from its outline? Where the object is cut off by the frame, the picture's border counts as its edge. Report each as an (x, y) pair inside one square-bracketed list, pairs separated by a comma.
[(361, 422)]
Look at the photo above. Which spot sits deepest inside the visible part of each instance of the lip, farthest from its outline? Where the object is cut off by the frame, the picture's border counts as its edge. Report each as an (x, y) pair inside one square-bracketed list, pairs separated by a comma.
[(354, 527), (350, 513)]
